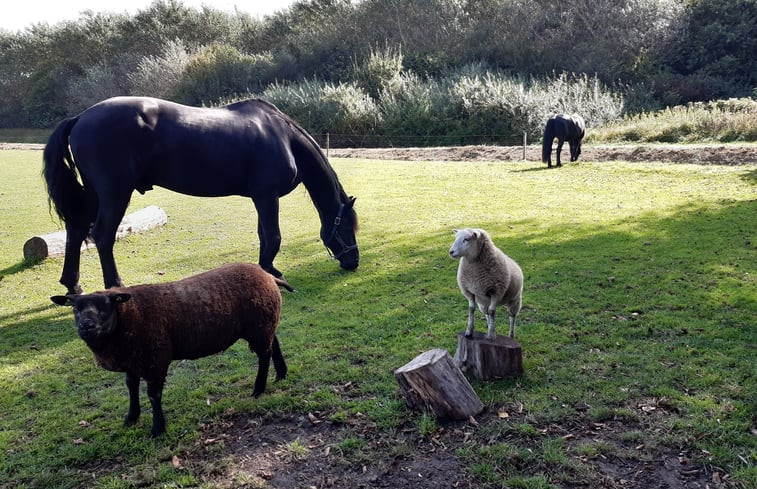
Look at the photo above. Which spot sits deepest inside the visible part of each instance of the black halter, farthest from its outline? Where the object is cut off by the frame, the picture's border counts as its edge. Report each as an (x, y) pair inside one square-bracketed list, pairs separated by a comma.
[(334, 235)]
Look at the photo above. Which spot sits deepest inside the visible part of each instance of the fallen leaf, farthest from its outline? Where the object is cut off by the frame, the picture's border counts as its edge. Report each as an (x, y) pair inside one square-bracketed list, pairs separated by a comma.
[(176, 462), (472, 421), (78, 441), (503, 414), (84, 424)]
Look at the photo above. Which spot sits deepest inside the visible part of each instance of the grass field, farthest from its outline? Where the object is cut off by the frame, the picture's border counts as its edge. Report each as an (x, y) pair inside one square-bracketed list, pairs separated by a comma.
[(638, 331)]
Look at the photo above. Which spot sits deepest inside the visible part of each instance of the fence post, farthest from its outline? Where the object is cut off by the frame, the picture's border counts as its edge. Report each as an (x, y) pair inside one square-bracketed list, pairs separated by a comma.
[(525, 142), (328, 143)]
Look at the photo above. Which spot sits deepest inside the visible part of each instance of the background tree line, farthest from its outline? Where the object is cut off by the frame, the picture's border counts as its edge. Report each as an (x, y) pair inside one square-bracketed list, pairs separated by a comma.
[(392, 67)]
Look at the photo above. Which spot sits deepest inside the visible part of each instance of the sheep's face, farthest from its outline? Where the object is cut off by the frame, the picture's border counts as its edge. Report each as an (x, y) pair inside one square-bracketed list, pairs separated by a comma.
[(95, 314), (466, 243)]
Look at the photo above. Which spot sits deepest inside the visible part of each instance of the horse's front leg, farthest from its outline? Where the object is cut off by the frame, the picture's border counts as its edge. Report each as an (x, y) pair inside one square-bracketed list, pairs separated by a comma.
[(269, 232), (559, 148), (573, 151)]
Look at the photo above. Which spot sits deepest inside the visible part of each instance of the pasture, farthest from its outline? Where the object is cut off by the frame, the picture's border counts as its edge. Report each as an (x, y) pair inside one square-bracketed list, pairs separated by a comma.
[(638, 332)]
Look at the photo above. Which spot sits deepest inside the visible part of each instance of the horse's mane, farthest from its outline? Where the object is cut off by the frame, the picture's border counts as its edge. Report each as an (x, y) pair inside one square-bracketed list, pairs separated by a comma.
[(309, 147)]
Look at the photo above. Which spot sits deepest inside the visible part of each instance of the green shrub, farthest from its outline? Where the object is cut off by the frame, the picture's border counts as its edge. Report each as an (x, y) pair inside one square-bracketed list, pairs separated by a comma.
[(718, 121), (220, 70), (323, 107), (380, 71)]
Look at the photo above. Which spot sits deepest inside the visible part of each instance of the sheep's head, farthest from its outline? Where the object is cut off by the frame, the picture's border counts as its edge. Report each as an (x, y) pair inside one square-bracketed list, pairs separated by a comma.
[(95, 314), (467, 243)]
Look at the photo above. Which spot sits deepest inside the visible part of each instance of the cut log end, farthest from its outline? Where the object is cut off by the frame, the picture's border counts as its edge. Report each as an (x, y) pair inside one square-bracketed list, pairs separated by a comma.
[(487, 359), (432, 381)]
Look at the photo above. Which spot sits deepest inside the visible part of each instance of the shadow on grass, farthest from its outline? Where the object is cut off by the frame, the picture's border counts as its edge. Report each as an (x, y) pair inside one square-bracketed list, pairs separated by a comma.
[(18, 267), (750, 177)]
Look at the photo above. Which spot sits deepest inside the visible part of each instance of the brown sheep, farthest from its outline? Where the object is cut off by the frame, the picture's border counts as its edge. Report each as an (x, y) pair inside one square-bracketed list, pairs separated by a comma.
[(141, 329)]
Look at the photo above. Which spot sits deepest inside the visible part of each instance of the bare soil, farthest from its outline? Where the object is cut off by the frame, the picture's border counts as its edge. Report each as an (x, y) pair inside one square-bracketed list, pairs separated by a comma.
[(715, 154), (309, 452)]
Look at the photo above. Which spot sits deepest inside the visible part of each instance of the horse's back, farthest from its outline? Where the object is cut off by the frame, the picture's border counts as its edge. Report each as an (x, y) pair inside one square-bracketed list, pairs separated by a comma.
[(143, 141)]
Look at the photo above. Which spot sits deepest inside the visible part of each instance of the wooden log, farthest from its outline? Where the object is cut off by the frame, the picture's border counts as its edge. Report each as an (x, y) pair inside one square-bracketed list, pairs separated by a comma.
[(433, 381), (489, 359), (54, 244)]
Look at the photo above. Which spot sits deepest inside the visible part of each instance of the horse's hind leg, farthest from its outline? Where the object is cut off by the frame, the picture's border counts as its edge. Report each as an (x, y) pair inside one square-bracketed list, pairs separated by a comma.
[(76, 233), (104, 233)]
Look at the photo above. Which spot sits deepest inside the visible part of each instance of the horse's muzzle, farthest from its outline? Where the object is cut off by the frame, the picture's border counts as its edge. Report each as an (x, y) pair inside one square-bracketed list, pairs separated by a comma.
[(349, 262)]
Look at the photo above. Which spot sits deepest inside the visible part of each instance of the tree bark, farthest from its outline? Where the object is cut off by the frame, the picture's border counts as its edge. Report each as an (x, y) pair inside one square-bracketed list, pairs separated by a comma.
[(54, 244), (489, 359), (433, 381)]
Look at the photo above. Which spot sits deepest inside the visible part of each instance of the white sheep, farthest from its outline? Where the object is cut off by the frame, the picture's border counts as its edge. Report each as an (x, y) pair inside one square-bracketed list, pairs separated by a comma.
[(487, 277)]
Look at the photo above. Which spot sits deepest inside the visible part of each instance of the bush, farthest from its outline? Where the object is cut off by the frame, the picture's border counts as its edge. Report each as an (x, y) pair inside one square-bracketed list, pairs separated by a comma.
[(321, 107), (380, 71), (159, 76), (221, 71), (718, 121)]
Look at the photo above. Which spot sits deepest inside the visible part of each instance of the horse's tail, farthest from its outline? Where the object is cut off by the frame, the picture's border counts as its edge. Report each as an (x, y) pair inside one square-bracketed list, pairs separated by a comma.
[(64, 190), (546, 144)]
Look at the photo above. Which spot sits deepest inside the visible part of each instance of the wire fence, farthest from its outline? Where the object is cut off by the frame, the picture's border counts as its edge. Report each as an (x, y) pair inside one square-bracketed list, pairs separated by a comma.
[(336, 140)]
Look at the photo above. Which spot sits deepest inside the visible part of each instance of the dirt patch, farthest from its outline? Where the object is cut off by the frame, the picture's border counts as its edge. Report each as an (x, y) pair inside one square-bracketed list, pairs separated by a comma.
[(312, 452), (713, 154), (716, 154)]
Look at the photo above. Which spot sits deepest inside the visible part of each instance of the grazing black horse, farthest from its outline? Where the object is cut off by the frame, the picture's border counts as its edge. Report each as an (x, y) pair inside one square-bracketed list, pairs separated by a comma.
[(563, 127), (93, 163)]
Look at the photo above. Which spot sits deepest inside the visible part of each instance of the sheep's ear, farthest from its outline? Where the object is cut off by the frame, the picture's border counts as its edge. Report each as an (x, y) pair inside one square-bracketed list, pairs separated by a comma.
[(455, 231), (119, 298), (62, 300), (475, 234)]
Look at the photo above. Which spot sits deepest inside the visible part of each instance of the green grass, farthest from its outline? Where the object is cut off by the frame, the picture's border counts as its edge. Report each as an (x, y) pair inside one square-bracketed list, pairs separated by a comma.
[(639, 307)]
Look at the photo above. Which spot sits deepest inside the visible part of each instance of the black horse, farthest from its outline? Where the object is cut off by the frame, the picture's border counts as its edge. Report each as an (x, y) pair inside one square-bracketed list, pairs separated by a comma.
[(563, 127), (93, 163)]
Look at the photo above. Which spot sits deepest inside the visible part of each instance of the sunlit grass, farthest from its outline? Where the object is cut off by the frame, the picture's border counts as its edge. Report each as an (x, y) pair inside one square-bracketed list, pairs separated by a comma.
[(640, 289)]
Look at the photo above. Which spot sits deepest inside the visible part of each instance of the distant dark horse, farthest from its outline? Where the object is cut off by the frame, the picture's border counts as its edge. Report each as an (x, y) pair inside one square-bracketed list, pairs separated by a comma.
[(249, 148), (563, 127)]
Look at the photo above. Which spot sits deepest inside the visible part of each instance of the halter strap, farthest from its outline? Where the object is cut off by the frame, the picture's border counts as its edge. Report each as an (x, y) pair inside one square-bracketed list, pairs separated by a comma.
[(335, 235)]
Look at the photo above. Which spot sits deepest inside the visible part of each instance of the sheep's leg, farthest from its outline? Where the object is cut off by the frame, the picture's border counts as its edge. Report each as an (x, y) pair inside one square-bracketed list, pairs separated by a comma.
[(264, 362), (490, 315), (132, 383), (471, 314), (155, 394), (512, 326), (278, 360)]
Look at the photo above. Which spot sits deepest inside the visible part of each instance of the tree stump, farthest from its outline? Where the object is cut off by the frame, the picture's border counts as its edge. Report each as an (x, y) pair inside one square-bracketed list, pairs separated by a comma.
[(489, 359), (433, 381), (54, 244)]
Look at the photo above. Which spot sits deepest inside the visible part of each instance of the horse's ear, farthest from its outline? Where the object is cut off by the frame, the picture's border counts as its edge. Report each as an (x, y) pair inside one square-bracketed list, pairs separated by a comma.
[(351, 201)]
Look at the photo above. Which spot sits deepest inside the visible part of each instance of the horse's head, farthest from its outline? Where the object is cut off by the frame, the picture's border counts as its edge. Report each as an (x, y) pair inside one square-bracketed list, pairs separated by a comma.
[(339, 235)]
